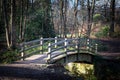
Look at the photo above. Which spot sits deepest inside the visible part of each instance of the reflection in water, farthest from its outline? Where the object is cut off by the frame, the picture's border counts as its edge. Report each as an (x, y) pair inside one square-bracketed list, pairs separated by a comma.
[(82, 70)]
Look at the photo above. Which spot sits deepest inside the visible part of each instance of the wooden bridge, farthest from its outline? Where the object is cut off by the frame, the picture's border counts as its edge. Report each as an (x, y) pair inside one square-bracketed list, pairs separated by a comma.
[(58, 50)]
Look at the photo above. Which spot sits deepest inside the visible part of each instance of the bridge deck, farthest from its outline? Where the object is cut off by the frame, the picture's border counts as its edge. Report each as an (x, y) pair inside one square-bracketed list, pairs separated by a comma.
[(37, 59), (41, 58)]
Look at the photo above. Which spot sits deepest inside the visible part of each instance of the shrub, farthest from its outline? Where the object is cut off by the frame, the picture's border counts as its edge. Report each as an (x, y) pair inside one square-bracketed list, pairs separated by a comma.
[(8, 56), (103, 33), (97, 17), (116, 35)]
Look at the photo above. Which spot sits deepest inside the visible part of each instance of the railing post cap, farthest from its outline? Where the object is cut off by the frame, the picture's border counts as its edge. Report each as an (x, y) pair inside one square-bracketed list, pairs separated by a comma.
[(96, 44), (65, 38), (41, 38), (49, 44)]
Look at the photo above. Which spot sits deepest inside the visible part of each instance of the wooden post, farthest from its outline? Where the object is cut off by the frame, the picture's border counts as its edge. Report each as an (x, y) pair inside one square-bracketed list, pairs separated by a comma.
[(22, 53), (55, 42), (65, 44), (91, 48), (41, 45), (49, 51), (78, 48), (88, 42), (96, 48)]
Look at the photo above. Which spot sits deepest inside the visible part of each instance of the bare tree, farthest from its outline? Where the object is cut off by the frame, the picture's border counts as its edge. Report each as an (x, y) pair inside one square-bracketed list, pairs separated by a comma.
[(61, 16), (90, 8), (75, 16), (23, 18), (112, 17), (21, 21), (6, 23), (65, 18)]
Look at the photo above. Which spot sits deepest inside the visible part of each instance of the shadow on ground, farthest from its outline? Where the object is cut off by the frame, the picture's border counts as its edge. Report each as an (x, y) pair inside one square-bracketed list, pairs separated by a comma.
[(34, 72), (107, 69)]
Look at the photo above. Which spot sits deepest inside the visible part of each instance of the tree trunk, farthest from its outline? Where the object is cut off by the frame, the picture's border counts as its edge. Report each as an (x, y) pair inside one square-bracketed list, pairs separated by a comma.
[(89, 23), (25, 20), (21, 22), (61, 17), (112, 17), (75, 17), (65, 19), (13, 24), (90, 16), (6, 23), (1, 9)]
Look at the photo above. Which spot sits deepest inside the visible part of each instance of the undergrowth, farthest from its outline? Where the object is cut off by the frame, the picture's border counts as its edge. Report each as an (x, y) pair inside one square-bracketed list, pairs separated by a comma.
[(8, 56)]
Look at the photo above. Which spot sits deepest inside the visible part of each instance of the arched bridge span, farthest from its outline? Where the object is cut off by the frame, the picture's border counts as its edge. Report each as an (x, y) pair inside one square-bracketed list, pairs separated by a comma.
[(59, 50), (73, 57)]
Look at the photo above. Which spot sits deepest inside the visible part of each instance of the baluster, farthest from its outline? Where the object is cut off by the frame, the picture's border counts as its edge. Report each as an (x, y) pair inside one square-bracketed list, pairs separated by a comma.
[(55, 42), (41, 45), (49, 51), (76, 46), (96, 48), (66, 43), (22, 53), (88, 44), (90, 48)]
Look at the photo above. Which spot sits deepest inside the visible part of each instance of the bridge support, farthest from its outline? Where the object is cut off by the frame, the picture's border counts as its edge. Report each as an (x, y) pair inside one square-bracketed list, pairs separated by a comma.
[(82, 57)]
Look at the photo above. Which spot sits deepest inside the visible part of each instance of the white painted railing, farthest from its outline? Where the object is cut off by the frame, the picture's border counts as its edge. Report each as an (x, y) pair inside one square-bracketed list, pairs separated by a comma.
[(64, 46), (51, 45), (70, 45), (36, 46)]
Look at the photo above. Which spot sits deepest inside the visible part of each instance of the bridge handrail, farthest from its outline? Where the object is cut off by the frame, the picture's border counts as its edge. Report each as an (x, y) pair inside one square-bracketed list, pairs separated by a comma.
[(66, 45), (53, 50), (61, 47), (62, 42), (89, 47), (41, 39), (26, 46), (30, 47)]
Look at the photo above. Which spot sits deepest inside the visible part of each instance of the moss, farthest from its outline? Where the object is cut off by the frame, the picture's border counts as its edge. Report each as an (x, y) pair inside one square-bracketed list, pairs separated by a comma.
[(81, 71)]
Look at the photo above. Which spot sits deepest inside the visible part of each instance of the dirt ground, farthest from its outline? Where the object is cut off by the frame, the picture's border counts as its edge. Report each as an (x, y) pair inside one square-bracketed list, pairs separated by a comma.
[(107, 68), (33, 72), (49, 72)]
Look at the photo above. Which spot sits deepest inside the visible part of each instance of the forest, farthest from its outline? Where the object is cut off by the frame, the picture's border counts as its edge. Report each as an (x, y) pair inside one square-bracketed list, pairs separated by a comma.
[(26, 20), (25, 23)]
